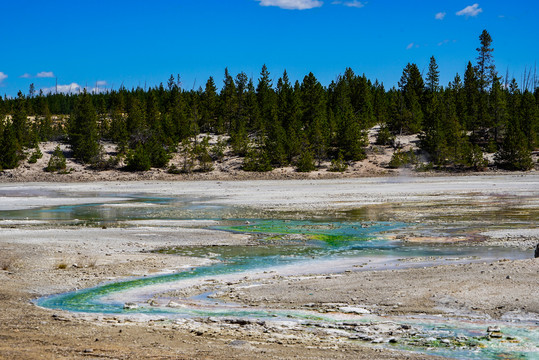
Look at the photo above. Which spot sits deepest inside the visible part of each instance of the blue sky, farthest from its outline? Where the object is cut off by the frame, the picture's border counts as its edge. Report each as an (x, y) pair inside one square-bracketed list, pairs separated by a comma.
[(114, 42)]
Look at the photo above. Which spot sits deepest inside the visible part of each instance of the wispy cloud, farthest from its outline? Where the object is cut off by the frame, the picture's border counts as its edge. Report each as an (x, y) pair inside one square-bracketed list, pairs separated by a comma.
[(45, 74), (410, 45), (101, 82), (292, 4), (354, 4), (470, 11), (2, 77), (440, 16)]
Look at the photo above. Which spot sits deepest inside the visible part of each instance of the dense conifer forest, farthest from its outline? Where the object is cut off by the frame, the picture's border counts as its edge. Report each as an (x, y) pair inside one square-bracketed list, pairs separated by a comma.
[(272, 124)]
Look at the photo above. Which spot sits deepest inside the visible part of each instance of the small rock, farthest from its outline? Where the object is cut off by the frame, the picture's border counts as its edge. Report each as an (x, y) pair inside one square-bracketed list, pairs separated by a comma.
[(173, 304), (130, 306), (491, 329), (238, 343), (354, 310)]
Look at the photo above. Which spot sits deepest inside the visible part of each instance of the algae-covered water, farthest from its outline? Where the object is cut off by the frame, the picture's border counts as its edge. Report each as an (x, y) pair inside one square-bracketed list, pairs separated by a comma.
[(285, 243)]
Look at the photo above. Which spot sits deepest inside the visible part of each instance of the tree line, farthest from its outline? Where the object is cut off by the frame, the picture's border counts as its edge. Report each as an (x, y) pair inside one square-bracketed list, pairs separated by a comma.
[(277, 124)]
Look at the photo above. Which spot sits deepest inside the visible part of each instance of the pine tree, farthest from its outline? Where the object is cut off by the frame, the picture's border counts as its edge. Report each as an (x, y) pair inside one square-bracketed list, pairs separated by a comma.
[(82, 130), (305, 161), (153, 115), (514, 153), (471, 93), (20, 121), (118, 128), (529, 119), (178, 117), (411, 86), (497, 111), (9, 148), (209, 107), (350, 138), (314, 113), (57, 161), (266, 97), (44, 120), (486, 71), (228, 104), (433, 76), (138, 159), (136, 123), (202, 151)]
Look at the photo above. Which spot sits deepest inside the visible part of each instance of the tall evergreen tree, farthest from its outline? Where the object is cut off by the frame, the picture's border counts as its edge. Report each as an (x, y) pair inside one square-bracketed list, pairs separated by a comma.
[(411, 86), (9, 148), (514, 153), (471, 92), (228, 104), (486, 71), (20, 121), (529, 119), (497, 110), (314, 115), (82, 130), (210, 103), (433, 76), (265, 96)]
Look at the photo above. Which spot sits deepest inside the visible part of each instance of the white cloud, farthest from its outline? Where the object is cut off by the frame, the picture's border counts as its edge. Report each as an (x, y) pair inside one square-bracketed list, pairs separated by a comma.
[(75, 88), (470, 10), (410, 45), (26, 76), (292, 4), (2, 77), (440, 16), (45, 74), (354, 3), (72, 88)]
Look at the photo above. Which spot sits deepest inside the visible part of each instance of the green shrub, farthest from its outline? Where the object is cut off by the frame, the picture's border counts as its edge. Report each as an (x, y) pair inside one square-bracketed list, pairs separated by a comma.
[(338, 165), (57, 162), (305, 162), (384, 136), (257, 160), (402, 158), (138, 160), (36, 155)]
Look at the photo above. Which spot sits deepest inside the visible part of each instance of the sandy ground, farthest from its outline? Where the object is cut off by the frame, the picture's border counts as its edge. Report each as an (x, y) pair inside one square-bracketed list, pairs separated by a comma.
[(39, 259)]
